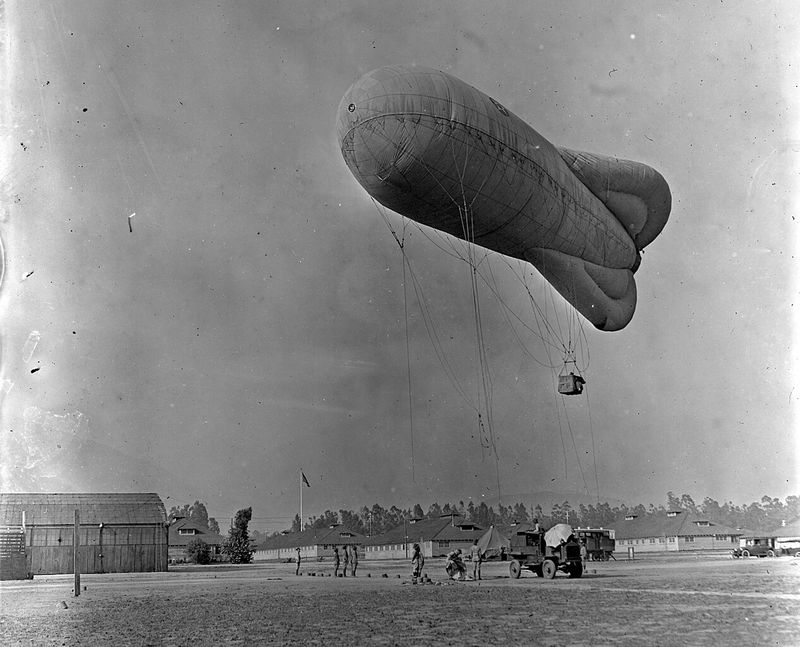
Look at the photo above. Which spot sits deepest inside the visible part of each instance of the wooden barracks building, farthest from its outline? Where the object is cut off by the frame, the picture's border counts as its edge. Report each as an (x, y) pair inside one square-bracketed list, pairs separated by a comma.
[(674, 531), (118, 533)]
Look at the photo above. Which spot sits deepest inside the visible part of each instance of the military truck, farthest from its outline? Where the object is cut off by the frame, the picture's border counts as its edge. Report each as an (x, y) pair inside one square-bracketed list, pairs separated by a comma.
[(599, 542), (529, 550)]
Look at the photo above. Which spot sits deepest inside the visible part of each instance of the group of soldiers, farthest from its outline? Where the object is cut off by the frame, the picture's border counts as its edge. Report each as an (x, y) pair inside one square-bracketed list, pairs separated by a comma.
[(349, 557)]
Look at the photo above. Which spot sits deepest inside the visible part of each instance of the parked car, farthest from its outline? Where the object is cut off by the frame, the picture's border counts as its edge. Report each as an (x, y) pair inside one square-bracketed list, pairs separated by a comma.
[(756, 550)]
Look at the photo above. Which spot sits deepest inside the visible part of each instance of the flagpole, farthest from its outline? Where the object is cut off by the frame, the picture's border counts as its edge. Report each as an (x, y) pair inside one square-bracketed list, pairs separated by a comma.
[(301, 500)]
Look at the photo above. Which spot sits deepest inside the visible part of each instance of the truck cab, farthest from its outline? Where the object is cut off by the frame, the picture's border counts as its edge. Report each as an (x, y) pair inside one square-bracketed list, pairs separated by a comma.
[(529, 550)]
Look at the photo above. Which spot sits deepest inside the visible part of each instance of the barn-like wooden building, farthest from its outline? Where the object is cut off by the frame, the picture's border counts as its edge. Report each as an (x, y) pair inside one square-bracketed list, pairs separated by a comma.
[(119, 533)]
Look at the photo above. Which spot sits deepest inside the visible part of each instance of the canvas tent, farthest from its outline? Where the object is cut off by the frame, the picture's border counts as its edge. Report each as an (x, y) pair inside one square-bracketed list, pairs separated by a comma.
[(492, 543)]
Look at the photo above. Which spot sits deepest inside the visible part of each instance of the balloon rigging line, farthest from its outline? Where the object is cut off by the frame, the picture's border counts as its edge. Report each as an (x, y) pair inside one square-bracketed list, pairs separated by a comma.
[(574, 444), (427, 317), (408, 364), (485, 378), (540, 316), (594, 453), (468, 231), (469, 257)]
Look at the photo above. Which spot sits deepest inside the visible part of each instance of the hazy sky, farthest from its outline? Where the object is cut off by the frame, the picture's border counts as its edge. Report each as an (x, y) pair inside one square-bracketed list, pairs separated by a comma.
[(252, 322)]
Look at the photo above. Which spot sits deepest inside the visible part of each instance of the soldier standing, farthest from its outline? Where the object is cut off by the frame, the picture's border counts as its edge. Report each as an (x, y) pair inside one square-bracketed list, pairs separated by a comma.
[(297, 567), (584, 553), (477, 559), (417, 562), (354, 560), (335, 561), (346, 560)]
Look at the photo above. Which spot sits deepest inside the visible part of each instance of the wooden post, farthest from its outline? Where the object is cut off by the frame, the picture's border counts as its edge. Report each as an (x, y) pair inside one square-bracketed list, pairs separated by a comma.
[(75, 565)]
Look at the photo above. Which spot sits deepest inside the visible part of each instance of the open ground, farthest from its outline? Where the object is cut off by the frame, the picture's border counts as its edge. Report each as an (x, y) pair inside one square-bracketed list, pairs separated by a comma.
[(675, 600)]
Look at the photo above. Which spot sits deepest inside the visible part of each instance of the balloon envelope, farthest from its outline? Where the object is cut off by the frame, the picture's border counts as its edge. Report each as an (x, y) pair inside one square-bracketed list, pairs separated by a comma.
[(438, 151)]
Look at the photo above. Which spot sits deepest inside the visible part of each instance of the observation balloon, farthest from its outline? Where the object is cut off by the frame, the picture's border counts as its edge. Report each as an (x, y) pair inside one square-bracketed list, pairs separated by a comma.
[(438, 151)]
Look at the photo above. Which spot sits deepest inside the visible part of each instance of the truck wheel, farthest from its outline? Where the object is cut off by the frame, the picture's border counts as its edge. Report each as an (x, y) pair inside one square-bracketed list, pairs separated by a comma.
[(548, 569), (745, 553), (770, 553), (576, 570), (514, 569)]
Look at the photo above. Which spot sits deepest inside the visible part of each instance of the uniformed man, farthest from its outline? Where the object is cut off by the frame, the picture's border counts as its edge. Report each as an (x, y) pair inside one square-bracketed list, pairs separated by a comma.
[(584, 553), (346, 559), (477, 559), (417, 562), (353, 560), (335, 561)]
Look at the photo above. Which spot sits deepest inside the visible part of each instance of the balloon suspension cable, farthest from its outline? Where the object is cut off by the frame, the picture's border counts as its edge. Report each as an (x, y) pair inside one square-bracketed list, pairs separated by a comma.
[(567, 337), (594, 453), (408, 368), (427, 317), (488, 439), (401, 243), (574, 445)]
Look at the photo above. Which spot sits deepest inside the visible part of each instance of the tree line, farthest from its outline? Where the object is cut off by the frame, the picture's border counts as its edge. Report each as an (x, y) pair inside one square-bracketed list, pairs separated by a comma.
[(765, 514)]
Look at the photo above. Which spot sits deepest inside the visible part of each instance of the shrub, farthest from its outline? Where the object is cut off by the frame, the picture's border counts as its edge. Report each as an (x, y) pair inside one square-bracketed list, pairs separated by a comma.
[(198, 551)]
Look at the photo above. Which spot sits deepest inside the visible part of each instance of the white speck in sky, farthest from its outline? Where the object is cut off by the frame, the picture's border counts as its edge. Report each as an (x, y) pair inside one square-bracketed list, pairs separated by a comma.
[(633, 36)]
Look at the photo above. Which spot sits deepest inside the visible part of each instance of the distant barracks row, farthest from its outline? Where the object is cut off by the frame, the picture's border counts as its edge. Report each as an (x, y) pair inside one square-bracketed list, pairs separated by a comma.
[(128, 532)]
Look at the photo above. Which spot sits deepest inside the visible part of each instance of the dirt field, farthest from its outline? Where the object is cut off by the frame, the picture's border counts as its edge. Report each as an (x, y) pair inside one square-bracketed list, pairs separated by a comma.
[(651, 601)]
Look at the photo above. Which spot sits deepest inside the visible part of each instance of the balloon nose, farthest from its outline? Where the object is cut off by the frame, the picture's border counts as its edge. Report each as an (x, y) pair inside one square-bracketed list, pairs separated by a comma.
[(349, 115), (363, 99)]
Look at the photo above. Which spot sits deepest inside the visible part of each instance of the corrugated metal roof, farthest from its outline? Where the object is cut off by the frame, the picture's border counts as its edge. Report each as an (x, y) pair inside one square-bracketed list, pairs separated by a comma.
[(125, 508)]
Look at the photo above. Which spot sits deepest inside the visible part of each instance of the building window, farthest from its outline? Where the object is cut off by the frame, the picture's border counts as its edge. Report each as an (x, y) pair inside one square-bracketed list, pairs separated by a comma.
[(185, 531), (660, 540), (671, 540), (444, 544), (652, 540)]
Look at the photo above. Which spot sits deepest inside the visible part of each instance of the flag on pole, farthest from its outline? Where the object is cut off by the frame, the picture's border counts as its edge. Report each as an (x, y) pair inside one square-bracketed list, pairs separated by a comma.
[(305, 480)]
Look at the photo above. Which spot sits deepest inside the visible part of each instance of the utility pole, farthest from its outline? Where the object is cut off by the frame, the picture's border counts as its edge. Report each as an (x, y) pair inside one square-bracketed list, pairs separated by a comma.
[(75, 553)]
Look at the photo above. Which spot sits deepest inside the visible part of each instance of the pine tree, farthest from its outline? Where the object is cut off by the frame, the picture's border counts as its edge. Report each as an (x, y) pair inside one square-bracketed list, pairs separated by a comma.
[(237, 545)]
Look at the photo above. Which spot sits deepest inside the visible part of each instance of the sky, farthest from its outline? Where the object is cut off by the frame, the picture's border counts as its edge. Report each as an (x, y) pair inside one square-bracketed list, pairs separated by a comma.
[(199, 300)]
